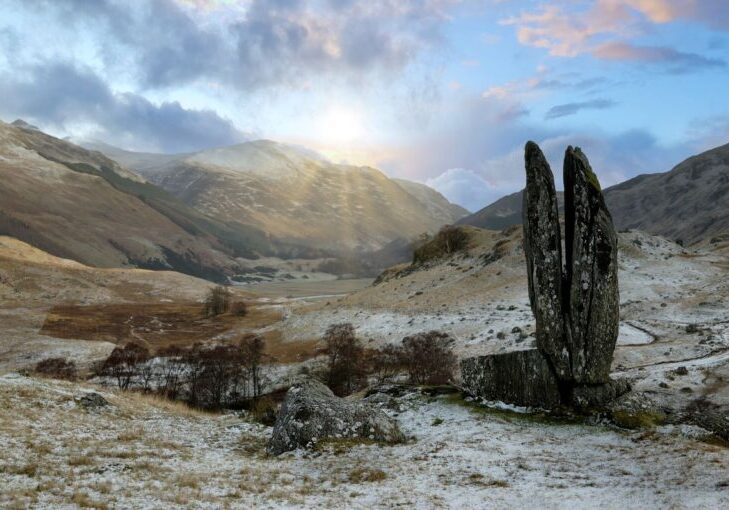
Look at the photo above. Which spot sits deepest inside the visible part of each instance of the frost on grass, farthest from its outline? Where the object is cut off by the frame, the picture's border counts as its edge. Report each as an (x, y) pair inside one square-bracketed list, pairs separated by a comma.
[(141, 452)]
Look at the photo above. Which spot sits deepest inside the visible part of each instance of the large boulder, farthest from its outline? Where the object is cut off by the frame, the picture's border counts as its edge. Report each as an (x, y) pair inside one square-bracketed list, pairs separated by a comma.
[(311, 413), (522, 378)]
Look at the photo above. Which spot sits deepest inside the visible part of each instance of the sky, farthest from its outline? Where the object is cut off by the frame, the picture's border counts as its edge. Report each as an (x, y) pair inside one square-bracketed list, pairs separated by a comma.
[(444, 92)]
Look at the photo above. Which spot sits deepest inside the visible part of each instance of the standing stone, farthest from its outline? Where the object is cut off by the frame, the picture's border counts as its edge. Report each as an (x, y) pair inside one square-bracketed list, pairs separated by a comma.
[(591, 303), (576, 306), (543, 250)]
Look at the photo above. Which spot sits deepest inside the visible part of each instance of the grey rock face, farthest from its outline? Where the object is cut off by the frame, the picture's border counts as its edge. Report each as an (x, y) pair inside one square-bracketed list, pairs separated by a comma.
[(594, 395), (591, 300), (543, 250), (311, 412), (523, 378)]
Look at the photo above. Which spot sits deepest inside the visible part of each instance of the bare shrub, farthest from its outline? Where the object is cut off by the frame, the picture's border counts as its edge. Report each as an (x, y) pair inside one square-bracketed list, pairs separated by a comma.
[(217, 301), (57, 368), (429, 358), (386, 363), (216, 375), (122, 363), (173, 371), (346, 367)]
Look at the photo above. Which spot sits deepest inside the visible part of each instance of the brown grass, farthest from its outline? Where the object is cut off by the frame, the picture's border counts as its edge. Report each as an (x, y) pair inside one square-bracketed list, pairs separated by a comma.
[(161, 325), (363, 474)]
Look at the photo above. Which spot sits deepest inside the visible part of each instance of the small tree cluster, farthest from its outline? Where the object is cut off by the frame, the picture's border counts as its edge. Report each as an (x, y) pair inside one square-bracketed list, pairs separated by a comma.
[(217, 301), (427, 358), (56, 368), (449, 240), (124, 363), (206, 376)]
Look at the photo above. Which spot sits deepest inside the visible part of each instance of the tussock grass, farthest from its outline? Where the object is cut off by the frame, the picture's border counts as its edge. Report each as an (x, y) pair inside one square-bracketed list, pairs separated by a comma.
[(141, 402), (365, 474)]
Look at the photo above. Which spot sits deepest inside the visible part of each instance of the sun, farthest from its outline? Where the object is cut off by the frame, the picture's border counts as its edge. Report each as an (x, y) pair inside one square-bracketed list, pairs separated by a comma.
[(340, 124)]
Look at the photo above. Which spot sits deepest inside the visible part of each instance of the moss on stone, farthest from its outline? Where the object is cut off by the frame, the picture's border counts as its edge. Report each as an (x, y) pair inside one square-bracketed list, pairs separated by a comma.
[(589, 174), (638, 419)]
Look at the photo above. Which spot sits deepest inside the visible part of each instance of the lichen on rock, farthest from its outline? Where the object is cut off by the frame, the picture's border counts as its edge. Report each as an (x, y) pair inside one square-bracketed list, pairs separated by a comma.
[(311, 413)]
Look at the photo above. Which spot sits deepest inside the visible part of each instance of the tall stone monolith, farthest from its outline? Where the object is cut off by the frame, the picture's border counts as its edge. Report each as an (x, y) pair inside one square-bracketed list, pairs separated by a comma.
[(575, 300)]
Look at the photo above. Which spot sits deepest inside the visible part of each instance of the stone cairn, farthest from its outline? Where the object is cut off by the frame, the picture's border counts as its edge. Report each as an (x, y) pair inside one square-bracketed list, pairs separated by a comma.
[(575, 299)]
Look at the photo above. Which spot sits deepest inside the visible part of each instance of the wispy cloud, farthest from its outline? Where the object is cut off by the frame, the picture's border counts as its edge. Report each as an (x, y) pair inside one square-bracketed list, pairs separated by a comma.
[(605, 27), (564, 110), (677, 61)]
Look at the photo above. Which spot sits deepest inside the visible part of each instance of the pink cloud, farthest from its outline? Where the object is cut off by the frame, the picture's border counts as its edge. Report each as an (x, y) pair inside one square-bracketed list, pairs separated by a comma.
[(680, 61), (568, 33)]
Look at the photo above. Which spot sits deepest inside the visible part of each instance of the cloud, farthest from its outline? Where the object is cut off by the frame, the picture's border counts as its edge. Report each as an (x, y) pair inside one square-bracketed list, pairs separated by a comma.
[(543, 80), (614, 159), (61, 95), (679, 61), (564, 110), (249, 45), (714, 14), (464, 187), (603, 28)]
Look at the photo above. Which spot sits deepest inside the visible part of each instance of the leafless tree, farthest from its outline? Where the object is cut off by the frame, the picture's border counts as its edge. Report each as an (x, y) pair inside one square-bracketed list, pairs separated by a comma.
[(386, 362), (346, 368), (429, 357), (122, 363), (173, 369), (252, 349)]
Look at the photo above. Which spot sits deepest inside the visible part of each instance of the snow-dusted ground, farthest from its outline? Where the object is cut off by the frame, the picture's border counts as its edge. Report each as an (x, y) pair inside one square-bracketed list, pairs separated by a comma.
[(673, 343), (141, 453)]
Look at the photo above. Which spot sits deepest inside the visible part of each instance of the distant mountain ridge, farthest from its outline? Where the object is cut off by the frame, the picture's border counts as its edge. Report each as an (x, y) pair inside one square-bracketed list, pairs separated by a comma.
[(296, 196), (688, 203), (79, 204)]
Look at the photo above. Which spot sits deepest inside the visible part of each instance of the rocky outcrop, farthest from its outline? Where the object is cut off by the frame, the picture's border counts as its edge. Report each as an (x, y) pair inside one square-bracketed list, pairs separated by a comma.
[(575, 301), (311, 413), (91, 401), (523, 378)]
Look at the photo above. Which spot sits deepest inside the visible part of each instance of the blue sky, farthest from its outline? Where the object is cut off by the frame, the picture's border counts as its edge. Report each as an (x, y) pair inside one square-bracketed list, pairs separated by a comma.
[(439, 91)]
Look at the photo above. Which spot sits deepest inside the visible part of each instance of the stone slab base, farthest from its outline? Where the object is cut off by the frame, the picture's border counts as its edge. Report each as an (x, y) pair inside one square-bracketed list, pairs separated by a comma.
[(521, 378)]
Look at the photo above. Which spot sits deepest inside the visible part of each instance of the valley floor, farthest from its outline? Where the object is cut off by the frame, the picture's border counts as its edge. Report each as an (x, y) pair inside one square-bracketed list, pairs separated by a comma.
[(144, 453)]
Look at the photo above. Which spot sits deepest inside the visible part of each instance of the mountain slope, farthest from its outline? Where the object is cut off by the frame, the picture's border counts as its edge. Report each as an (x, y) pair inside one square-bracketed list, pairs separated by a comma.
[(690, 203), (81, 205), (436, 203), (503, 213), (298, 197)]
